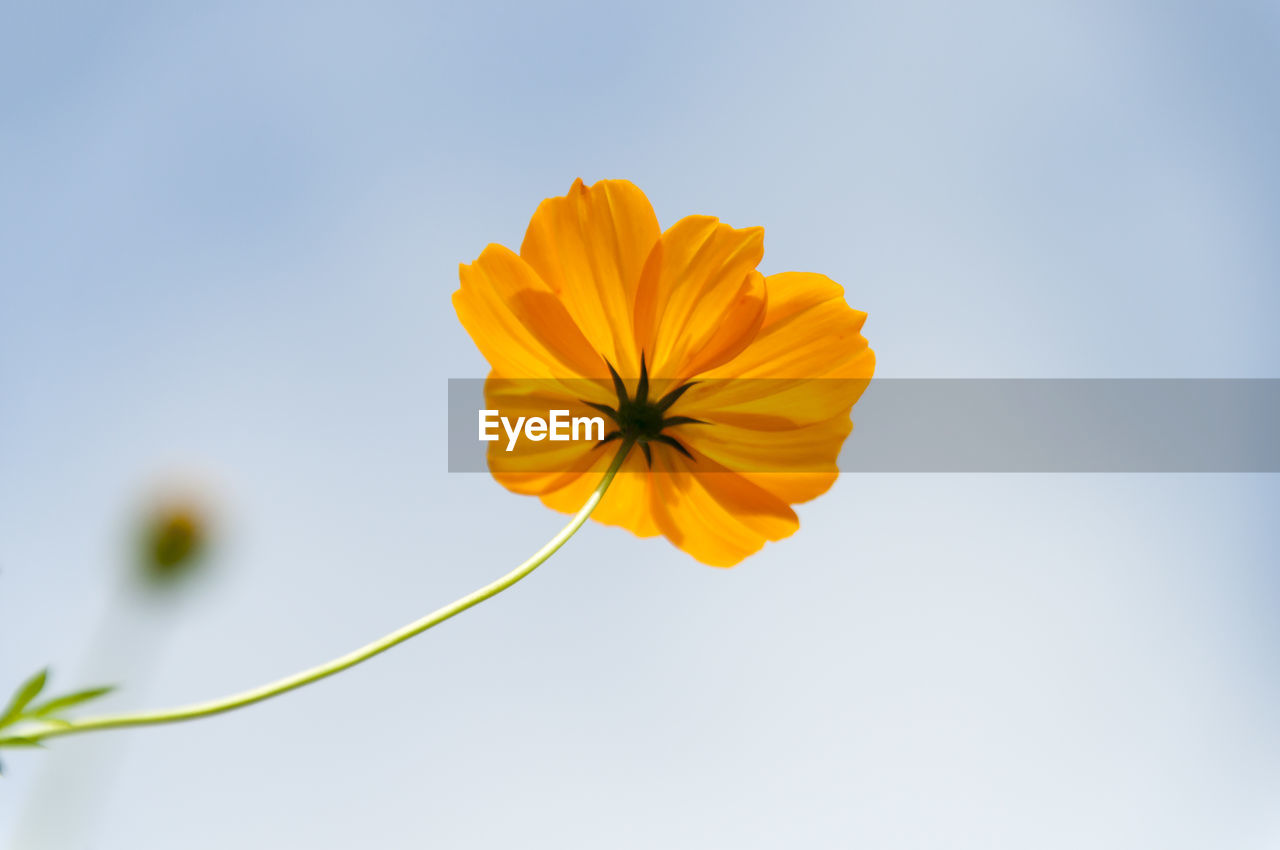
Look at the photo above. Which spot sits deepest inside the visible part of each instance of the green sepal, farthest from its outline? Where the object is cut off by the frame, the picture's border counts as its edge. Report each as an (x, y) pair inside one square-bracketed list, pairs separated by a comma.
[(30, 690)]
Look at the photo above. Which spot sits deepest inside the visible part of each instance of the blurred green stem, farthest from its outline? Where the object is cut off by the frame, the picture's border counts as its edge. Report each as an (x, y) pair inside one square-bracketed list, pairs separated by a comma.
[(337, 665)]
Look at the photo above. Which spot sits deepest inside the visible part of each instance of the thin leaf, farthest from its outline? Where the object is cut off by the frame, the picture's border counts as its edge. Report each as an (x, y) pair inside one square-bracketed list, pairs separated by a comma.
[(30, 690), (69, 701), (17, 741)]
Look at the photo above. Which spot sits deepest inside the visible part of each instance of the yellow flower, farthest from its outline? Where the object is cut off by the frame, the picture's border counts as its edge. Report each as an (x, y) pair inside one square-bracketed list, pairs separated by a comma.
[(737, 389)]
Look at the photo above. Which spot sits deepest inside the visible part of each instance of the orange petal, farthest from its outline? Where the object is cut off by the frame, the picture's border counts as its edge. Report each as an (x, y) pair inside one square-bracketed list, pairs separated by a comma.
[(533, 467), (808, 362), (764, 404), (715, 515), (793, 487), (564, 474), (590, 246), (778, 414), (813, 447), (517, 322), (809, 331), (627, 502), (795, 464), (700, 300)]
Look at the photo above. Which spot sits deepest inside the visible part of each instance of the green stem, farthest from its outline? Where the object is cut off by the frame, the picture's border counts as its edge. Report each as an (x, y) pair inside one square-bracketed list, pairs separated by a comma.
[(337, 665)]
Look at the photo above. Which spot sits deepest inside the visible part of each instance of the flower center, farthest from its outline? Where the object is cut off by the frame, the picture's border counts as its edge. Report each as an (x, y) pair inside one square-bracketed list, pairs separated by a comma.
[(640, 420)]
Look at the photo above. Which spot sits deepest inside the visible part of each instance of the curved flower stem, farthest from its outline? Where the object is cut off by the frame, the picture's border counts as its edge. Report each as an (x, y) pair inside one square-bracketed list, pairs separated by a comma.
[(337, 665)]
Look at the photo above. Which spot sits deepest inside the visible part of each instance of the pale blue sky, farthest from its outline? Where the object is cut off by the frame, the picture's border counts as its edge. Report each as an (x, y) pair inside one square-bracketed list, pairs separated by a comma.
[(227, 241)]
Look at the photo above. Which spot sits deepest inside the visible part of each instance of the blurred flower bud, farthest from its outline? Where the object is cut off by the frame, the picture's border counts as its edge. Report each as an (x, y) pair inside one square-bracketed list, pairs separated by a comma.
[(175, 537)]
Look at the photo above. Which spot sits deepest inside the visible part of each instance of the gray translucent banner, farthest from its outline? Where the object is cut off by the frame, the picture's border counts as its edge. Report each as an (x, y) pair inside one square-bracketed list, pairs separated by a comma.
[(1013, 425)]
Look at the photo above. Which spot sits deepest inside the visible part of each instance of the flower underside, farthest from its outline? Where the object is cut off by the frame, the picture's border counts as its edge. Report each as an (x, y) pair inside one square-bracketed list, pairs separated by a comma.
[(641, 421), (737, 386)]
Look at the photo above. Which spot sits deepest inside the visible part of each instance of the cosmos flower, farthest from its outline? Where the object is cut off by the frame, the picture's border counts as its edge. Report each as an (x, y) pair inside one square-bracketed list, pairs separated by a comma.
[(735, 388), (727, 394)]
